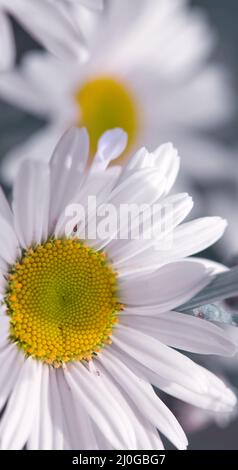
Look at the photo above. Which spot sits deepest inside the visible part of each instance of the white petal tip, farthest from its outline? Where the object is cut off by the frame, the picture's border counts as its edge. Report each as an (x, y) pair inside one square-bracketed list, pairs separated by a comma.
[(111, 145)]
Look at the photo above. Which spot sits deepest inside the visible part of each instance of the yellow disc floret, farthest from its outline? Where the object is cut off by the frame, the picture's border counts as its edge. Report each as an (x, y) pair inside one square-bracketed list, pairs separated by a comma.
[(105, 103), (62, 302)]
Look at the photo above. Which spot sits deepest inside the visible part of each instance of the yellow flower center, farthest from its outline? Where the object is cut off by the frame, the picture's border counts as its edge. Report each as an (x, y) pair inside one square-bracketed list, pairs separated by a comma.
[(105, 103), (62, 302)]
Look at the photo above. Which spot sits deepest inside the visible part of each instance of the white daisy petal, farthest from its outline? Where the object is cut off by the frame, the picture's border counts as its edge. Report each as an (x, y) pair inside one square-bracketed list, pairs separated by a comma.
[(33, 442), (164, 159), (9, 248), (154, 437), (187, 30), (202, 232), (5, 210), (67, 168), (35, 66), (17, 89), (224, 395), (102, 408), (15, 426), (171, 211), (80, 427), (167, 287), (187, 239), (86, 428), (152, 190), (7, 47), (183, 332), (3, 283), (130, 192), (72, 439), (46, 429), (31, 203), (34, 437), (167, 162), (140, 159), (51, 425), (210, 84), (56, 412), (222, 402), (218, 397), (63, 39), (10, 367), (77, 421), (145, 399), (3, 267), (163, 360), (110, 146), (97, 4), (147, 437), (100, 186), (4, 329), (102, 442)]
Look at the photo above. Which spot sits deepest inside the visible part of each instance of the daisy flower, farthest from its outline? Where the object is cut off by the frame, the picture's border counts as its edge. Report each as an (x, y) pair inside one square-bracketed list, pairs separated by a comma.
[(145, 76), (51, 22), (88, 324)]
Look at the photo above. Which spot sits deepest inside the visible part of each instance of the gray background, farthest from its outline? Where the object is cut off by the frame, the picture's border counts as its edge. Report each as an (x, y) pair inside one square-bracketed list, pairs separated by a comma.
[(223, 15)]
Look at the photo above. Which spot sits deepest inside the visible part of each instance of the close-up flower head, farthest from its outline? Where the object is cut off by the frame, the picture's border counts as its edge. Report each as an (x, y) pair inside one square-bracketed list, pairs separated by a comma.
[(88, 325), (118, 231)]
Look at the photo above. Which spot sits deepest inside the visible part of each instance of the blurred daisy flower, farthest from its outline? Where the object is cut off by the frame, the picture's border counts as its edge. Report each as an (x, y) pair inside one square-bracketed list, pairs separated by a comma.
[(51, 22), (87, 325), (147, 75)]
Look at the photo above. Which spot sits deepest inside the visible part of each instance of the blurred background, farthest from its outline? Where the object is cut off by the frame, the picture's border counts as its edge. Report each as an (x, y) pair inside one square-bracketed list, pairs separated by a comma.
[(16, 126), (223, 16)]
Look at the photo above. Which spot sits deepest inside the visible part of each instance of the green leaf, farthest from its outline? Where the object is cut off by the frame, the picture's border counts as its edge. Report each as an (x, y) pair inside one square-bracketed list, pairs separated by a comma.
[(222, 286)]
